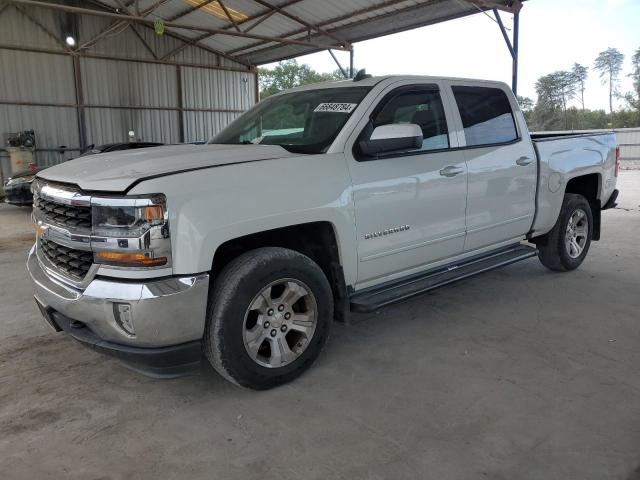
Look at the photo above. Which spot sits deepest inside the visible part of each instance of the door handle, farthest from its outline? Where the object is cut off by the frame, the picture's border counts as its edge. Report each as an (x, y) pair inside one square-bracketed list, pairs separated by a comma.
[(451, 171), (524, 161)]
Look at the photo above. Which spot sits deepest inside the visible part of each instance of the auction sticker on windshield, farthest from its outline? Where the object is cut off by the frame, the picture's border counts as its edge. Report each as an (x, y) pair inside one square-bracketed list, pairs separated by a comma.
[(336, 107)]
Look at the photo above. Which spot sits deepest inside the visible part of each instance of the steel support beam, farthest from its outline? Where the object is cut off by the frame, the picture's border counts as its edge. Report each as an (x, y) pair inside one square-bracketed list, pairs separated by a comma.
[(186, 42), (228, 15), (335, 59), (493, 5), (351, 72), (189, 10), (82, 123), (180, 103), (145, 44), (149, 22), (513, 47), (503, 30), (37, 23), (260, 17), (121, 59), (299, 20), (117, 107), (516, 35), (373, 8)]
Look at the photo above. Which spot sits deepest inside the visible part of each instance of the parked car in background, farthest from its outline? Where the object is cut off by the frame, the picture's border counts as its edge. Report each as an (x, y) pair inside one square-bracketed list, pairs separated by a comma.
[(114, 147), (327, 198), (17, 189)]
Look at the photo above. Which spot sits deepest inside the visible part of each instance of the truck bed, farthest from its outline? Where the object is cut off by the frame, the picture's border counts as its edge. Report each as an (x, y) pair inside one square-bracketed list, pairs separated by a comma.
[(563, 156), (543, 136)]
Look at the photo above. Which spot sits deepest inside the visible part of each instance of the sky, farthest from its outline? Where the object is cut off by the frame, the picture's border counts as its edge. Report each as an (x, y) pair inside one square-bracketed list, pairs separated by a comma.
[(553, 35)]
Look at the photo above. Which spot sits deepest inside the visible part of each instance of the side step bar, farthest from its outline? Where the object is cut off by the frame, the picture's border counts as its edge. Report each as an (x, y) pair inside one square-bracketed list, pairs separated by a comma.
[(370, 299)]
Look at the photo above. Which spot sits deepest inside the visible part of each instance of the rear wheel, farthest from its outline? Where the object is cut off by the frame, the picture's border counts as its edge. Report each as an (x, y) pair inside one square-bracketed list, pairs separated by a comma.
[(269, 316), (566, 245)]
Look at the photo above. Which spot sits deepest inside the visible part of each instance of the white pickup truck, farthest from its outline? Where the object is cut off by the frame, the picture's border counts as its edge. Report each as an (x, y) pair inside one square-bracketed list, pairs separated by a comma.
[(321, 200)]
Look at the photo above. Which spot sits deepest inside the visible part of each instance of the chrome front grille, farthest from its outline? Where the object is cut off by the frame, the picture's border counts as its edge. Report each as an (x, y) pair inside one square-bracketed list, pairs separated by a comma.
[(75, 263), (71, 216)]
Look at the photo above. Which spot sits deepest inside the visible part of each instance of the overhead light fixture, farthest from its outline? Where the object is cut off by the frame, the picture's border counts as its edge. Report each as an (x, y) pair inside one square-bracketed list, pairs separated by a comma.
[(70, 41)]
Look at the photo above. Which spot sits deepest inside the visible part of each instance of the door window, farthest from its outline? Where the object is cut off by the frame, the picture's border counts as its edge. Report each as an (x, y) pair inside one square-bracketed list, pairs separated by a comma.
[(486, 115), (422, 107)]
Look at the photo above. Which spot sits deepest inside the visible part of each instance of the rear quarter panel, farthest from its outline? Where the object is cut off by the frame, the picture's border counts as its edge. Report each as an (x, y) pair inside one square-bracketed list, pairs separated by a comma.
[(563, 158)]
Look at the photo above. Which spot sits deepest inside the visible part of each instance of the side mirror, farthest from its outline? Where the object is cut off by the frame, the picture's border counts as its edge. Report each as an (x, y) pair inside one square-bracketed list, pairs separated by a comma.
[(392, 137)]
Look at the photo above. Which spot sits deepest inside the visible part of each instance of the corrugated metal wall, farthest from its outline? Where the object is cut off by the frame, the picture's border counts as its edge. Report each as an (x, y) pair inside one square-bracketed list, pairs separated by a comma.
[(195, 95), (629, 141)]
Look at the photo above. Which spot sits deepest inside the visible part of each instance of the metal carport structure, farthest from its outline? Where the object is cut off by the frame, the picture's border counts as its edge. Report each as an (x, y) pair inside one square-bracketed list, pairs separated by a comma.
[(175, 70), (255, 32)]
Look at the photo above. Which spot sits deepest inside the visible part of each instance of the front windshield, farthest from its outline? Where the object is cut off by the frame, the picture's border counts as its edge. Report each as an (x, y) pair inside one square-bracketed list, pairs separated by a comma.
[(301, 122)]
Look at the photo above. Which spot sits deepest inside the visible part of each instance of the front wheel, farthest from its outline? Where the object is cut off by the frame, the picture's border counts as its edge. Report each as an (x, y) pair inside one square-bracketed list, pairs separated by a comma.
[(566, 245), (269, 316)]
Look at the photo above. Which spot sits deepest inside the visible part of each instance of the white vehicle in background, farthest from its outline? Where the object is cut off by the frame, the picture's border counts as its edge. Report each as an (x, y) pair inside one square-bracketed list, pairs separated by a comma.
[(320, 200)]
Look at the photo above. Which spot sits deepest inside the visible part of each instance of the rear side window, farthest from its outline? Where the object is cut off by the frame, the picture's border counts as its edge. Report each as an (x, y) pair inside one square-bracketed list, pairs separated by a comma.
[(422, 107), (486, 115)]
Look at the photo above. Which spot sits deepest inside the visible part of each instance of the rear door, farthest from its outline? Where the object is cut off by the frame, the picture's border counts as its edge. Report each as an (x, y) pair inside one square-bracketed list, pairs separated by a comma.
[(410, 206), (501, 165)]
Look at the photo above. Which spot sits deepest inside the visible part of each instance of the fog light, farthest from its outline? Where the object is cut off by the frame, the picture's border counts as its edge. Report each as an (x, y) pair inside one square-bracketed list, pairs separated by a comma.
[(124, 318)]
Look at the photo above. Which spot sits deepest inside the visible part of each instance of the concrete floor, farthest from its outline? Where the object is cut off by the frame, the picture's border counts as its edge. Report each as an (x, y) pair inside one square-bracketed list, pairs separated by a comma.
[(517, 374)]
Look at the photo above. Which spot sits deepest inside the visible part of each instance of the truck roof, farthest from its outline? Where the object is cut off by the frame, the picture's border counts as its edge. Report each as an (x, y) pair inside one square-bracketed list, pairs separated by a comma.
[(371, 81)]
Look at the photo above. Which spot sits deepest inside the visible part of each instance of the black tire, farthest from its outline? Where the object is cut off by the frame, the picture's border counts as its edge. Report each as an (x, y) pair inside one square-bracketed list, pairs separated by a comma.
[(552, 250), (230, 296)]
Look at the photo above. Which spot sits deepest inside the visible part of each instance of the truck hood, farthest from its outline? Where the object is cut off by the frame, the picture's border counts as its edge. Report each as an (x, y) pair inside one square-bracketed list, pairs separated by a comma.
[(116, 171)]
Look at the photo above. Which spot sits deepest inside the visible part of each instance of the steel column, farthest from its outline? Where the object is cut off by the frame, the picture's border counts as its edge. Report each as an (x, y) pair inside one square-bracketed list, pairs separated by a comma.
[(516, 34), (513, 47), (82, 126), (351, 72), (180, 103)]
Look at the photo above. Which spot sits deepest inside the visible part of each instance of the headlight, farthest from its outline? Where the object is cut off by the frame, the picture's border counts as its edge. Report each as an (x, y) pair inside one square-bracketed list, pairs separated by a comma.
[(131, 231)]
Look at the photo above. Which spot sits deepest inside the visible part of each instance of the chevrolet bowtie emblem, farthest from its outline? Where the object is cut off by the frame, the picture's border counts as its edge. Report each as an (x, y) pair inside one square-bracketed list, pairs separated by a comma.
[(41, 230)]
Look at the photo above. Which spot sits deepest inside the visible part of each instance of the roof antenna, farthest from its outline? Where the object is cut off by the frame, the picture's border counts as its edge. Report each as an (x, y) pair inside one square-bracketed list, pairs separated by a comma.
[(361, 75)]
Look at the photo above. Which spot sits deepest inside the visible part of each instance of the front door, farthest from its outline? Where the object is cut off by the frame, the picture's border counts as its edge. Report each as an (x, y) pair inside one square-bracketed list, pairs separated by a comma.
[(410, 206)]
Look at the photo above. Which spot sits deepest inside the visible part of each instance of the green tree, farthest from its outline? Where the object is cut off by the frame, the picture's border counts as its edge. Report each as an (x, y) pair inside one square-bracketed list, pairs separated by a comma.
[(609, 64), (580, 74), (526, 105), (548, 109), (633, 98), (554, 92), (289, 74)]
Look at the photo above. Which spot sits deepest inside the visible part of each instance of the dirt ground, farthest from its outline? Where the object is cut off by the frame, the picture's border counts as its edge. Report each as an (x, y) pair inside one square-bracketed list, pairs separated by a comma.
[(517, 374)]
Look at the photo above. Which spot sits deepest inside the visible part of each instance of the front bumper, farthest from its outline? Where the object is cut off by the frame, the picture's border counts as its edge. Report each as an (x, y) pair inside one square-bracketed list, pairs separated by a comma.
[(168, 316)]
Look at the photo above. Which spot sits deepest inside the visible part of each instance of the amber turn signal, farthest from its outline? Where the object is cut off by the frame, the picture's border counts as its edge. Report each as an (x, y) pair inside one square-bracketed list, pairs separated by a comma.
[(153, 213), (129, 259)]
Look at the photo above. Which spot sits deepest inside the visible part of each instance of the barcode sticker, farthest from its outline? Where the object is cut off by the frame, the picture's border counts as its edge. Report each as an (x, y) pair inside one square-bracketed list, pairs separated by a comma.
[(336, 107)]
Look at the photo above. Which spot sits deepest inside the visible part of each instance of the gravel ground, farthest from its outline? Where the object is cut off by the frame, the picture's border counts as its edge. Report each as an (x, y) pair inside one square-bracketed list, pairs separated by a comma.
[(520, 373), (630, 165)]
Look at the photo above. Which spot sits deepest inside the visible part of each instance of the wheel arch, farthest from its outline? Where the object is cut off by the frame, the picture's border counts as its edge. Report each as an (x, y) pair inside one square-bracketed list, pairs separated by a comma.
[(318, 240), (589, 186)]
